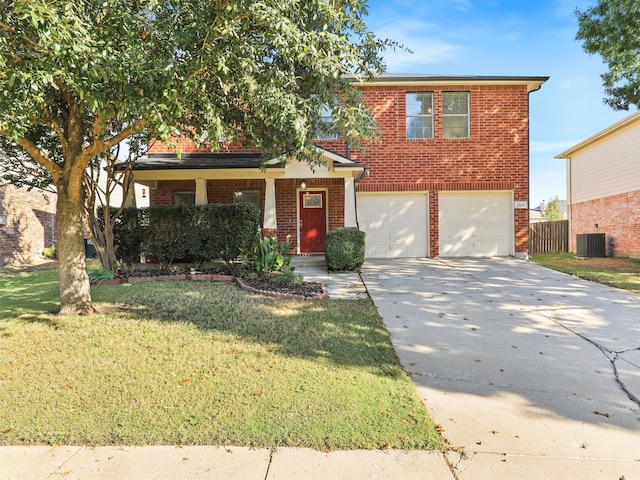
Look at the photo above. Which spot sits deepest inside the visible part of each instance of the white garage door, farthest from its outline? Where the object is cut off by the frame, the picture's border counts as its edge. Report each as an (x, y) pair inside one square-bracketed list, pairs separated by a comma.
[(395, 224), (475, 224)]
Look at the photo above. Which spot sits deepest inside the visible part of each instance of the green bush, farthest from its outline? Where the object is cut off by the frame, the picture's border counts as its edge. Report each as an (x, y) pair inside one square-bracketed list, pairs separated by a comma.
[(49, 253), (201, 233), (344, 249)]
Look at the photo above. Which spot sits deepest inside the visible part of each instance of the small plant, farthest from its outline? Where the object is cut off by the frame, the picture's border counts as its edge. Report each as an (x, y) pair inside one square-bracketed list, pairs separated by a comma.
[(270, 256), (49, 252), (288, 276), (344, 249), (101, 275)]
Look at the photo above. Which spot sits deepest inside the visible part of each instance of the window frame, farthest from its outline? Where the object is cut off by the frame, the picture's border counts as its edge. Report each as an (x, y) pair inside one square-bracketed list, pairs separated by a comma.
[(466, 115), (428, 116), (183, 193), (255, 192), (325, 117)]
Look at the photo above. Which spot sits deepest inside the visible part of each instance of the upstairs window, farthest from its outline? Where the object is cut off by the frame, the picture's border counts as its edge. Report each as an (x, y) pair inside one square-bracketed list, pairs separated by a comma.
[(455, 114), (419, 107), (325, 124)]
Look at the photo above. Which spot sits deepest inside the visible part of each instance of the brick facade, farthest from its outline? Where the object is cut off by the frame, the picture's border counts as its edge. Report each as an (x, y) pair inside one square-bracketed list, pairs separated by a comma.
[(495, 156), (30, 224), (617, 216)]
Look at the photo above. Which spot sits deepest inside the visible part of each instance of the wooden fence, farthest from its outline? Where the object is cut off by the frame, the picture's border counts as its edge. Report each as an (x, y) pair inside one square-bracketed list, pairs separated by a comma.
[(549, 237)]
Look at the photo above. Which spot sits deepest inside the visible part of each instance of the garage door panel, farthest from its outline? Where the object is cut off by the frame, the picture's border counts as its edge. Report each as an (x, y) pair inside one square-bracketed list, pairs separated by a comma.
[(475, 224), (395, 224)]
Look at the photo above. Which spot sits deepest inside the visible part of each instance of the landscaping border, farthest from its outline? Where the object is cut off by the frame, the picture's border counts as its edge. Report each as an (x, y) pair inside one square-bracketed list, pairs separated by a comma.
[(203, 277)]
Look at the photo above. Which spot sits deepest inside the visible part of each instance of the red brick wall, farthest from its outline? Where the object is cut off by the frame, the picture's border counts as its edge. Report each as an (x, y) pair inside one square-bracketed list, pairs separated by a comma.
[(495, 157), (618, 217), (30, 217), (184, 145)]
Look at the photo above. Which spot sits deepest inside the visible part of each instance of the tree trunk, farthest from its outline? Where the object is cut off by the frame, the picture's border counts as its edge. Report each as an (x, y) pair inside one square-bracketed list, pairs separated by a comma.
[(75, 294)]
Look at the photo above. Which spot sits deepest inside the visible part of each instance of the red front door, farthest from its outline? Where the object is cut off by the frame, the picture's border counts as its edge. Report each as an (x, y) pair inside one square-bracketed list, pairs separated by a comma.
[(313, 221)]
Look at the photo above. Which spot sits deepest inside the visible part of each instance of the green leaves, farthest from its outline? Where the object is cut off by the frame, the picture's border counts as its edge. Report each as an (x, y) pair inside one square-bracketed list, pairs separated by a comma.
[(78, 76), (611, 30)]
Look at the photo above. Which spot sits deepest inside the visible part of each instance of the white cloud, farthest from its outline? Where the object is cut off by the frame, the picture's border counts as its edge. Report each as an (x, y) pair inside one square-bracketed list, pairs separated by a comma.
[(423, 41)]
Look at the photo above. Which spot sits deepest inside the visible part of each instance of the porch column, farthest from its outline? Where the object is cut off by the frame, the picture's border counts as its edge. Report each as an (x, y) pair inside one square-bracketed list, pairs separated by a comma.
[(350, 216), (201, 191), (270, 204)]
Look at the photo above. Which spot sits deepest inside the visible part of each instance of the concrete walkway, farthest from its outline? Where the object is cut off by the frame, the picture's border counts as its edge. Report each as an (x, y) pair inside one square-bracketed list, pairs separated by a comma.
[(531, 373)]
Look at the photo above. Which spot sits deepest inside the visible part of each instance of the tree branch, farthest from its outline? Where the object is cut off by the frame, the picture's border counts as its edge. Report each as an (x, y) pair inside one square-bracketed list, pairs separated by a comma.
[(38, 155), (12, 30), (98, 146)]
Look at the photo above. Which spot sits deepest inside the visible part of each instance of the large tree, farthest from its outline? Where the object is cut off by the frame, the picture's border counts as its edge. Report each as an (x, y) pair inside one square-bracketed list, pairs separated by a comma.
[(257, 70), (611, 28)]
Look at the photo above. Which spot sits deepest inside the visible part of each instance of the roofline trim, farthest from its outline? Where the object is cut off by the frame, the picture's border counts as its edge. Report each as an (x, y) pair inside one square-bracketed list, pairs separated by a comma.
[(600, 135), (533, 82)]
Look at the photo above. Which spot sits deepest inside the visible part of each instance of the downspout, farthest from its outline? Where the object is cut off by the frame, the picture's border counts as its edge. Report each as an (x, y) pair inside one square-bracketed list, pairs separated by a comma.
[(355, 195)]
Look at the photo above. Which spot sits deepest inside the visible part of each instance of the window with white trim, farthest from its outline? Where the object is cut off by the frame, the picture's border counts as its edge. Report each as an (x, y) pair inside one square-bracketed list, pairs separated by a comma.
[(455, 114), (419, 110), (325, 124)]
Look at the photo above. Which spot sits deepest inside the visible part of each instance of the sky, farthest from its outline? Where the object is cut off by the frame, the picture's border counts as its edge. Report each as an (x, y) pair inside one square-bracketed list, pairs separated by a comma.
[(508, 37)]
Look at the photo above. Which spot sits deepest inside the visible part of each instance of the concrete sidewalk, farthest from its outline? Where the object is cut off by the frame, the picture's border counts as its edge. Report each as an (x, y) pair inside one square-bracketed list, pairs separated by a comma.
[(530, 372), (223, 463)]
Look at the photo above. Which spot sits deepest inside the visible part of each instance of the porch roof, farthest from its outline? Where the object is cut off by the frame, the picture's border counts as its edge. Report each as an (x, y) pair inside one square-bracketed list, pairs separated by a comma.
[(190, 161), (225, 160)]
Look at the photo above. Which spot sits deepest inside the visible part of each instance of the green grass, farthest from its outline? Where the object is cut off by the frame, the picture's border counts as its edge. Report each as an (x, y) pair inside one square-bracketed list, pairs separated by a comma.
[(200, 363), (620, 272)]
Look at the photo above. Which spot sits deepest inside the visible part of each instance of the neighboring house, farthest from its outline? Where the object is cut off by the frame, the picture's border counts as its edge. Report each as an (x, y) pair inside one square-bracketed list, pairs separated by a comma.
[(449, 176), (27, 223), (603, 186), (536, 214)]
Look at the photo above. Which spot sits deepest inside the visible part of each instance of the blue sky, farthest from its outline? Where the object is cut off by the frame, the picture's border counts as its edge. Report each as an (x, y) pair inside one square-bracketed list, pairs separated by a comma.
[(508, 37)]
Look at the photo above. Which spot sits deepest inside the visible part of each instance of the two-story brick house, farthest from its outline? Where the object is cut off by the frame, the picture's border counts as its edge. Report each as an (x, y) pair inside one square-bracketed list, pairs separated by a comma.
[(449, 176)]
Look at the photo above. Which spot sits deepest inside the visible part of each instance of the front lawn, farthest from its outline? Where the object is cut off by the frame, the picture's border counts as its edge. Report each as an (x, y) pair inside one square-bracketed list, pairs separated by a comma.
[(620, 272), (200, 363)]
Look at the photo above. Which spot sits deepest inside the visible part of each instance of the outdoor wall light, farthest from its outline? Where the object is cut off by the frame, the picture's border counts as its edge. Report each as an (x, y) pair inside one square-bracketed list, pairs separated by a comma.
[(303, 185), (144, 193), (3, 221)]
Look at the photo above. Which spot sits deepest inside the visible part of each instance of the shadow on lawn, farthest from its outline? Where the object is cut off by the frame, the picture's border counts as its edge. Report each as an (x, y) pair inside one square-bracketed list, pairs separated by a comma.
[(345, 332)]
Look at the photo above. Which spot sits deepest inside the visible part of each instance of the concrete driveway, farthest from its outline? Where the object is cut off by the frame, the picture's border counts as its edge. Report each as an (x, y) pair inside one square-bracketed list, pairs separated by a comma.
[(531, 373)]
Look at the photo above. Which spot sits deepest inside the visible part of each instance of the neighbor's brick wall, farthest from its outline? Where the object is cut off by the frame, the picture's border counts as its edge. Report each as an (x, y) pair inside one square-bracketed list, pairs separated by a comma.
[(31, 217), (495, 157), (617, 216)]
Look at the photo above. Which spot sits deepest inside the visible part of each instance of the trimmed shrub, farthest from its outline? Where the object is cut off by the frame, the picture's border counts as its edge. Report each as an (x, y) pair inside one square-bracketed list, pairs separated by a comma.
[(201, 233), (344, 249)]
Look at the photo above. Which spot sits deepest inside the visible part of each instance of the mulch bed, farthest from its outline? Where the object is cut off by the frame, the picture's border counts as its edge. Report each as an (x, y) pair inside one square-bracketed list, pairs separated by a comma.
[(275, 285)]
